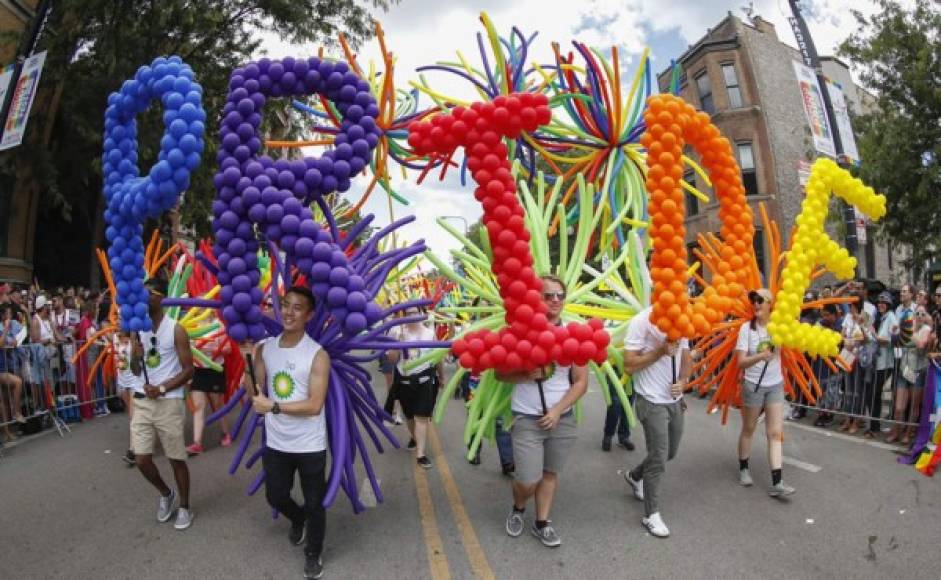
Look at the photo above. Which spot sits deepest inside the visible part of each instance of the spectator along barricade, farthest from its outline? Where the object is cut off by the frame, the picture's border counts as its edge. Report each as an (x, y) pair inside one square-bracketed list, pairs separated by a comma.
[(41, 386)]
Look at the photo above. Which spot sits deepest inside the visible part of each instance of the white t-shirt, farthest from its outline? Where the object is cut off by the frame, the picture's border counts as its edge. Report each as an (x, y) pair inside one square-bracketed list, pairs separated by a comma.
[(405, 334), (653, 382), (752, 342), (126, 377), (288, 375), (160, 357), (526, 398)]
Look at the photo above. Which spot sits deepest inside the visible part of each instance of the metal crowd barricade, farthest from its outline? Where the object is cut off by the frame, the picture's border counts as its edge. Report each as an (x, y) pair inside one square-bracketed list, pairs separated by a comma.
[(868, 395), (42, 386)]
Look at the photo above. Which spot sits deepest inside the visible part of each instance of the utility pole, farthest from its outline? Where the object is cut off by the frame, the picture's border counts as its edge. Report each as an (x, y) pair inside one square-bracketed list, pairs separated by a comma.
[(25, 50), (805, 44)]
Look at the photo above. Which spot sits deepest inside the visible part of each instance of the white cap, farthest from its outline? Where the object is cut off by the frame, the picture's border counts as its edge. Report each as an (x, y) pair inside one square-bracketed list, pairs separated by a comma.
[(40, 302)]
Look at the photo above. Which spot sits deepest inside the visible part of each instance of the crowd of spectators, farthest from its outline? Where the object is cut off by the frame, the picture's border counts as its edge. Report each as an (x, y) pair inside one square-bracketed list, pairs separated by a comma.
[(889, 340)]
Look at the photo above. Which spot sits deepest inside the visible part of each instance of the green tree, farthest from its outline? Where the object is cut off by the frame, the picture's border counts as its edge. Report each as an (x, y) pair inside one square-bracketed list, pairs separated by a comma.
[(898, 51), (93, 46)]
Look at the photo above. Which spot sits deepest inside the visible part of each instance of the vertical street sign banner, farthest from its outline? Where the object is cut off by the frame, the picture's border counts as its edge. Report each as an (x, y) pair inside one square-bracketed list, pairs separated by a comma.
[(861, 223), (6, 75), (25, 91), (814, 109), (842, 117)]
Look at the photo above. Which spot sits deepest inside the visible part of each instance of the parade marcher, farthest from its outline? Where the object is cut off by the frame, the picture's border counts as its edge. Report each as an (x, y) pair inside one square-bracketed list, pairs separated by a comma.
[(660, 371), (208, 387), (762, 390), (130, 379), (416, 387), (159, 409), (544, 429), (295, 371)]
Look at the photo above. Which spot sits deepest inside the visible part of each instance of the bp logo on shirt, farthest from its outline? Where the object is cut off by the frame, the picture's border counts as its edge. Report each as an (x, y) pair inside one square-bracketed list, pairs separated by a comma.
[(283, 385)]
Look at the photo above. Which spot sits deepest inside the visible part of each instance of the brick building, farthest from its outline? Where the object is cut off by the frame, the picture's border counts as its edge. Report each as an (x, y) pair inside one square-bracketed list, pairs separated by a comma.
[(18, 207), (741, 74)]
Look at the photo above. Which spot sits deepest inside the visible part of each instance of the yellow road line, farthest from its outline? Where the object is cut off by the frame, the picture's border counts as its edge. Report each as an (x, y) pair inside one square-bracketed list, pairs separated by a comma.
[(475, 554), (437, 559)]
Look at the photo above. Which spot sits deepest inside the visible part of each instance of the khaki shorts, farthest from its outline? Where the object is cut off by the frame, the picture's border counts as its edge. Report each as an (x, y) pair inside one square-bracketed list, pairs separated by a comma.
[(537, 450), (763, 395), (161, 418)]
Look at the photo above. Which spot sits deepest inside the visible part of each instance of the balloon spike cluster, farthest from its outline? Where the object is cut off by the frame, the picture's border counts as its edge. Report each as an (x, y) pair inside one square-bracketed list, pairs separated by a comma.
[(273, 195), (528, 341), (132, 199), (812, 246), (672, 123)]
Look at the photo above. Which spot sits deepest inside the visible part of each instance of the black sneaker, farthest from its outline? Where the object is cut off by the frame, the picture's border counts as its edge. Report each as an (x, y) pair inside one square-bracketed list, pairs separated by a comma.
[(411, 445), (313, 567), (130, 458), (606, 444), (423, 461), (626, 444), (508, 469), (298, 534)]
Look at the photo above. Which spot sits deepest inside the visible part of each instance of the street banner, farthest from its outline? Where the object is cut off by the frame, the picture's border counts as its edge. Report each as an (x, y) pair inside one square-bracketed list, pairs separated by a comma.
[(6, 75), (842, 117), (26, 86), (814, 109)]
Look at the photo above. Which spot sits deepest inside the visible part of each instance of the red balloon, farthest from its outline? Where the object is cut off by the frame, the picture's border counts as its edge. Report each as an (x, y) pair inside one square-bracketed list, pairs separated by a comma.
[(459, 347), (513, 361), (539, 356), (498, 354), (525, 313), (524, 348), (601, 339), (509, 341), (587, 350), (476, 347), (570, 347), (468, 360), (596, 324), (546, 339), (491, 340)]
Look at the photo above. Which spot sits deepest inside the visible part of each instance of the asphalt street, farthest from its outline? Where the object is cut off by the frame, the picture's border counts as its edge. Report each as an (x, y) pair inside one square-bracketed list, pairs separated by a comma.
[(70, 509)]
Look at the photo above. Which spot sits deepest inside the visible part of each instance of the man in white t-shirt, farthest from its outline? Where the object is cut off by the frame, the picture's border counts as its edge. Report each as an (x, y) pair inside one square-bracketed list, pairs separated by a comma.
[(660, 370), (159, 407), (544, 429), (295, 371)]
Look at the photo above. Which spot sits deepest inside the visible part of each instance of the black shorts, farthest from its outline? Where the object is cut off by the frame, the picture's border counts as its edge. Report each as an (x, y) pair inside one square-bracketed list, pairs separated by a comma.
[(208, 381), (417, 393)]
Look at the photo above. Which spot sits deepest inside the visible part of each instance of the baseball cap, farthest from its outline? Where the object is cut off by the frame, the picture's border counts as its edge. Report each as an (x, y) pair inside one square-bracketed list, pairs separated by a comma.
[(41, 302), (763, 292), (885, 297)]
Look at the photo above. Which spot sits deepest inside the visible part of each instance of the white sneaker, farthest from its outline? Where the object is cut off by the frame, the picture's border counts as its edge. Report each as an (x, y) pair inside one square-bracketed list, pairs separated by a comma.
[(399, 419), (744, 478), (636, 484), (165, 507), (655, 526), (184, 519)]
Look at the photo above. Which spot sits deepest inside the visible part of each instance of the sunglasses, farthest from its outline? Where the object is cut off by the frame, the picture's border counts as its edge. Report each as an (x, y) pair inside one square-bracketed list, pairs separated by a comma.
[(758, 299), (553, 295), (153, 346)]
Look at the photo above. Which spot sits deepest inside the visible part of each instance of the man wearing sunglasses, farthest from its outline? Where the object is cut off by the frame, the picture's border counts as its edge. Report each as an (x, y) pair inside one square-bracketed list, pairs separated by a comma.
[(660, 370), (543, 428), (159, 410)]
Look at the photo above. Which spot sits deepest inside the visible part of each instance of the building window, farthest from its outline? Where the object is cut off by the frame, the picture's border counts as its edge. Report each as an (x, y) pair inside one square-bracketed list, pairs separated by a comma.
[(746, 162), (731, 85), (692, 202), (758, 242), (705, 93)]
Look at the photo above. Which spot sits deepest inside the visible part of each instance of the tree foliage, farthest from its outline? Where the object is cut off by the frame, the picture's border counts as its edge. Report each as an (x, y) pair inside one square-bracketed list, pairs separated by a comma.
[(898, 51), (94, 45)]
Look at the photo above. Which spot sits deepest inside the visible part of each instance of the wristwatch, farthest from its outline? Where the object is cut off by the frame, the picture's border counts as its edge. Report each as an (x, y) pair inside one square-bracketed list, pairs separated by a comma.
[(276, 409), (163, 390)]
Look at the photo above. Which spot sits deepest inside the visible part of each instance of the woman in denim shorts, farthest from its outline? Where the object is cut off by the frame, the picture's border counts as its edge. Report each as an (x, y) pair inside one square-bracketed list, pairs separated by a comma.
[(762, 390)]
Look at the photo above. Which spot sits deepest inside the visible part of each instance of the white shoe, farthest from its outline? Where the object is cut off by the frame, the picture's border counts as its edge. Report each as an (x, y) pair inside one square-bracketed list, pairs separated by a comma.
[(166, 506), (655, 526), (399, 419), (744, 478), (637, 485), (184, 519)]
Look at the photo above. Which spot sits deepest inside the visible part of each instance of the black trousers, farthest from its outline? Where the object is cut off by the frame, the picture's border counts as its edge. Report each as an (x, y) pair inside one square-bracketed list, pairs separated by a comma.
[(279, 479), (873, 398)]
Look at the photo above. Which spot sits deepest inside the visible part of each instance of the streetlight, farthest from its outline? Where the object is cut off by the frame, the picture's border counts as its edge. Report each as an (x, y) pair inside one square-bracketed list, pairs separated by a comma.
[(457, 217)]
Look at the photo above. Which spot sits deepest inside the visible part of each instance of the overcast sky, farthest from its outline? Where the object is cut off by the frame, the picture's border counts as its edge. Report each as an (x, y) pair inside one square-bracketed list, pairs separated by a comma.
[(421, 32)]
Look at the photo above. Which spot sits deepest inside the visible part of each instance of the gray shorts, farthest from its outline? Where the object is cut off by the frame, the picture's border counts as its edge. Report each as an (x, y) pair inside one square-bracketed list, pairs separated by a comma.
[(536, 450), (765, 394)]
